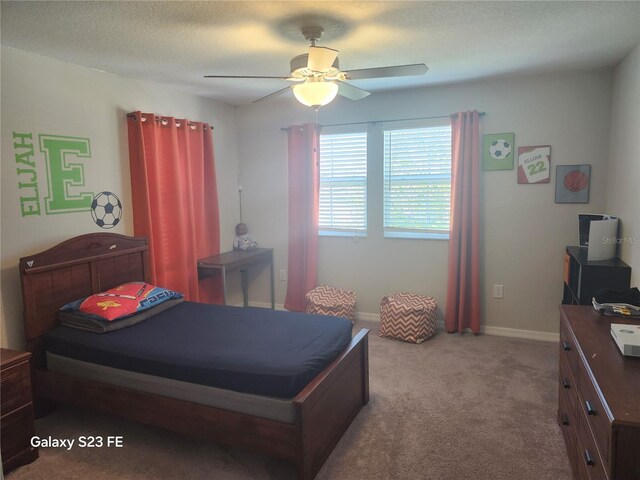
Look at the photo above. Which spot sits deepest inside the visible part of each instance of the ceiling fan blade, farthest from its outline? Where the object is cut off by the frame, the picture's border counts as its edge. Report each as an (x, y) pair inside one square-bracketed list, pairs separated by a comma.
[(351, 92), (244, 76), (321, 58), (271, 95), (384, 72)]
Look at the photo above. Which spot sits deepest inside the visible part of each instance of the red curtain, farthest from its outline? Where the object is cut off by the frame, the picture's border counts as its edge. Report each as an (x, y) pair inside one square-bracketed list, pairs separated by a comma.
[(175, 200), (304, 185), (463, 288)]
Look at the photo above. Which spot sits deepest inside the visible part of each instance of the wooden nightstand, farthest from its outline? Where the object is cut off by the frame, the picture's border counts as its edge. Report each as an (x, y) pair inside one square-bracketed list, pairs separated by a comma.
[(16, 411)]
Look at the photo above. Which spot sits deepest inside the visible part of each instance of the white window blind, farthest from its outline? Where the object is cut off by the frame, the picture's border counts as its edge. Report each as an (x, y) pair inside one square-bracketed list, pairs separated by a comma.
[(417, 181), (343, 183)]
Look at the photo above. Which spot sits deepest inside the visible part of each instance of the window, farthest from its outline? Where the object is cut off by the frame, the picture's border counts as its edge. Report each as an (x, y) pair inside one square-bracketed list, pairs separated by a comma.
[(343, 184), (417, 182), (409, 165)]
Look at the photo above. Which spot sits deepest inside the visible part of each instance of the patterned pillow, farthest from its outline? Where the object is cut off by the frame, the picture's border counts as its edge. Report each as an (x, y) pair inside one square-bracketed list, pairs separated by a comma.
[(125, 300)]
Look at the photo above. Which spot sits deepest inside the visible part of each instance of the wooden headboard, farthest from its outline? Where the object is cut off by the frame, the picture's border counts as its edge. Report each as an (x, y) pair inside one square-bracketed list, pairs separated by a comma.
[(76, 268)]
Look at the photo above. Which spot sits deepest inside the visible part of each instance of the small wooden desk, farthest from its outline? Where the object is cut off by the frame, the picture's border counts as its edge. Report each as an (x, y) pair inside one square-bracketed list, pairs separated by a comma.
[(237, 260)]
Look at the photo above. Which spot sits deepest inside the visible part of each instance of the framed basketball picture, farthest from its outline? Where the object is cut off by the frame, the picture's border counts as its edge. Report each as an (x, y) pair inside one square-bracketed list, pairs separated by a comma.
[(572, 183), (534, 164), (497, 151)]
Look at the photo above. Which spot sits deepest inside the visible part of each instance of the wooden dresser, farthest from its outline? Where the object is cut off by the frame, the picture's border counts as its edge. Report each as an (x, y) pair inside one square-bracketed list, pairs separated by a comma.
[(16, 422), (599, 399)]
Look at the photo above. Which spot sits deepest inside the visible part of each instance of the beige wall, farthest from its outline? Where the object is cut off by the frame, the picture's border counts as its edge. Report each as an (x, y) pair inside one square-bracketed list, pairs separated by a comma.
[(524, 231), (41, 95), (623, 197)]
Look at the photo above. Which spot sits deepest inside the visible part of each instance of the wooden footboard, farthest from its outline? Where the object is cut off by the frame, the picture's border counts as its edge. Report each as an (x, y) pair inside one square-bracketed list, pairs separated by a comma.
[(324, 410), (328, 405)]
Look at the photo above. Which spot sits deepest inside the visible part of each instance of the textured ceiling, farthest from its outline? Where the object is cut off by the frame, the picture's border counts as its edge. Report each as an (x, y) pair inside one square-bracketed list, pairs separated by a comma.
[(176, 43)]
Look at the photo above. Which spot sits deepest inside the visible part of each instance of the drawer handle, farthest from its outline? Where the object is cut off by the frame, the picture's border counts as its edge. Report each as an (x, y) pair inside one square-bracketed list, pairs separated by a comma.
[(565, 383), (565, 419), (566, 346), (588, 458), (590, 408)]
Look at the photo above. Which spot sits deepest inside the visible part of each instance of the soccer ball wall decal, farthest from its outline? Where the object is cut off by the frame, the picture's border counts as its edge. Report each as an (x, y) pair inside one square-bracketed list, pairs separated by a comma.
[(499, 149), (106, 210)]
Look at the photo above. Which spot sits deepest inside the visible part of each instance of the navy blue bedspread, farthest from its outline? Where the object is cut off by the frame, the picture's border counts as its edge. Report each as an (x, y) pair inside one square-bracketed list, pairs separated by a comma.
[(250, 350)]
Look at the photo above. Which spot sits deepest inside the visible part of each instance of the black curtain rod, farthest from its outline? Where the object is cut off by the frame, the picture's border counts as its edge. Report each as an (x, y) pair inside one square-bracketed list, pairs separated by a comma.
[(159, 118), (482, 114)]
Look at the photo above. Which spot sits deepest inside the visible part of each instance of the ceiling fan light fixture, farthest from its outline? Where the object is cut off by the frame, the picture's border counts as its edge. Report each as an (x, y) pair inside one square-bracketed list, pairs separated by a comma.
[(314, 93)]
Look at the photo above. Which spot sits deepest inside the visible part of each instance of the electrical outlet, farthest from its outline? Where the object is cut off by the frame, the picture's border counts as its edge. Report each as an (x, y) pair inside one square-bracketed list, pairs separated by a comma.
[(498, 291), (283, 275)]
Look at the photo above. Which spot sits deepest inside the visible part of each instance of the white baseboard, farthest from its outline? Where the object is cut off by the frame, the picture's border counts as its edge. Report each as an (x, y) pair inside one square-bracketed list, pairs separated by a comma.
[(519, 333), (279, 306), (487, 330), (371, 317)]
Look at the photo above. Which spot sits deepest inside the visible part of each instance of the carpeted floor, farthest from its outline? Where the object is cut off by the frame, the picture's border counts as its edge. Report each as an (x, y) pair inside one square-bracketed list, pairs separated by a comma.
[(455, 407)]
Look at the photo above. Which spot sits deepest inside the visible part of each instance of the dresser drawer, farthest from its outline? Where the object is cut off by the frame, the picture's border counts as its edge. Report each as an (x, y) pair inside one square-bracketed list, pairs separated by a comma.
[(567, 420), (567, 378), (568, 350), (589, 459), (15, 387), (566, 408), (594, 412), (17, 430), (567, 397)]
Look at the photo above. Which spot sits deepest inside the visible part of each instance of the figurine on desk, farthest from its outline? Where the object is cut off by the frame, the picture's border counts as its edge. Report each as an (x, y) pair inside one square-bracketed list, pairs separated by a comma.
[(242, 240)]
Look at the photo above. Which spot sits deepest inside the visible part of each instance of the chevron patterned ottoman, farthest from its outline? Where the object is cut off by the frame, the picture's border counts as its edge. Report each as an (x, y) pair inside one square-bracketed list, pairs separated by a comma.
[(327, 300), (408, 316)]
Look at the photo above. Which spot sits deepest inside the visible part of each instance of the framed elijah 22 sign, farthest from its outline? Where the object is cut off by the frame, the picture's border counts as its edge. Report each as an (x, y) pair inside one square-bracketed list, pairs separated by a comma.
[(534, 164)]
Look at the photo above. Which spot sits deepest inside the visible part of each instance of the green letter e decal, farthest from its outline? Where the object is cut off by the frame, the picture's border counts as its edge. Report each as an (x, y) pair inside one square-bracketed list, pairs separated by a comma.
[(62, 173)]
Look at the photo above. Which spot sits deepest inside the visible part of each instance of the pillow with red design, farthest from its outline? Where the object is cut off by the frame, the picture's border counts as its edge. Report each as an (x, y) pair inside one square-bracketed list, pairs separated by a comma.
[(125, 300)]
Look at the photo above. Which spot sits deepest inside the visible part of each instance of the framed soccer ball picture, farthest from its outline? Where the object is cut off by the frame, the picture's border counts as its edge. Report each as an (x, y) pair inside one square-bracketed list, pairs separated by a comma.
[(497, 151), (534, 164)]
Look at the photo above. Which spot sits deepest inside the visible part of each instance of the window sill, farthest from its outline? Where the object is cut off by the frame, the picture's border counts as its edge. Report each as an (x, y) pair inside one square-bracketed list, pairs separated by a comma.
[(330, 233), (417, 235)]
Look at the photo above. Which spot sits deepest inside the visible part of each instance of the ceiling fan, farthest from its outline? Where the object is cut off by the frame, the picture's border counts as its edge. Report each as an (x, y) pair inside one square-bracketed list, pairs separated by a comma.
[(319, 78)]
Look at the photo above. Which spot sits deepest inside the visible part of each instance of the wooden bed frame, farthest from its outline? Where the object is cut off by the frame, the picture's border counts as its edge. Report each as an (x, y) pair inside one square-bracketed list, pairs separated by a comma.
[(95, 262)]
